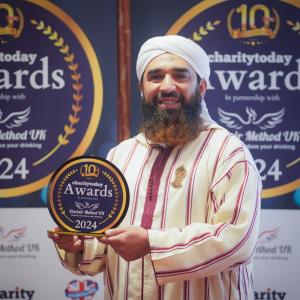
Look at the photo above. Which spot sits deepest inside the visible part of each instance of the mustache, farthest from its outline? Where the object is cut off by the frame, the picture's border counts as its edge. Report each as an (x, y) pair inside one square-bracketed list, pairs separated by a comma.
[(168, 95), (162, 95)]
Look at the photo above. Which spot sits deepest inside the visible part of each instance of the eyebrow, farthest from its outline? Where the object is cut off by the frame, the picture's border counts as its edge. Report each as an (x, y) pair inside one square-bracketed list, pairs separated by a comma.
[(158, 70)]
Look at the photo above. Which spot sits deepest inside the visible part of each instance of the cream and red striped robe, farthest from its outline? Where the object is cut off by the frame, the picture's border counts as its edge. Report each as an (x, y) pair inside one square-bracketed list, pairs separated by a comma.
[(202, 234)]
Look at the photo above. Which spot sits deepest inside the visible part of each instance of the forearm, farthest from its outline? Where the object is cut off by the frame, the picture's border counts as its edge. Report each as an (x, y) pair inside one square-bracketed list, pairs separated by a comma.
[(198, 255)]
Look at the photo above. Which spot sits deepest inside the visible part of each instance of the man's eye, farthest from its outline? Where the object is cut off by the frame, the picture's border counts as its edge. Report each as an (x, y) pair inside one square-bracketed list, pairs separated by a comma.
[(155, 77), (181, 76)]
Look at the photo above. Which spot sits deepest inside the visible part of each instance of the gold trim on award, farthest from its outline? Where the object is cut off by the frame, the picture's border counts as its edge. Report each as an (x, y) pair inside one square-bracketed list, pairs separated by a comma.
[(87, 195)]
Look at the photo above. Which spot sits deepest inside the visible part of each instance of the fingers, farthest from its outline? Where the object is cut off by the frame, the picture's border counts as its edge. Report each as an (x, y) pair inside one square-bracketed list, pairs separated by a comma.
[(112, 235), (115, 231), (51, 234), (69, 243), (111, 240), (131, 243), (73, 244)]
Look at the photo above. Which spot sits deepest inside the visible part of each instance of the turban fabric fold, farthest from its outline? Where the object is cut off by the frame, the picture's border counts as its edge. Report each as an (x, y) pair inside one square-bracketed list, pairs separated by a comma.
[(177, 45)]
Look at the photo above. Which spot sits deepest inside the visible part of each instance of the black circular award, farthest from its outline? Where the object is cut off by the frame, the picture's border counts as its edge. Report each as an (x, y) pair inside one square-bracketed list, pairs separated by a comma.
[(87, 195)]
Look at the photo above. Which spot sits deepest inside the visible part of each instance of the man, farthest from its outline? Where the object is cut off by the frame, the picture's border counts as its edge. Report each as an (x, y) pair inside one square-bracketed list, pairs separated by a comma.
[(192, 225)]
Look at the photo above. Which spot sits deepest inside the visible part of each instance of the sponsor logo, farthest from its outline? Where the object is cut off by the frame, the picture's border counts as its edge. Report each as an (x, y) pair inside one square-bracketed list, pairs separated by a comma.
[(17, 293), (81, 290), (269, 294), (11, 246), (269, 249), (268, 236), (15, 119), (13, 234), (236, 121)]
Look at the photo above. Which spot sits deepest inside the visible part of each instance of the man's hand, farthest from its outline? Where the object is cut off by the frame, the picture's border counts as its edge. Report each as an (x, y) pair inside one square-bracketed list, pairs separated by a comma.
[(69, 243), (130, 242)]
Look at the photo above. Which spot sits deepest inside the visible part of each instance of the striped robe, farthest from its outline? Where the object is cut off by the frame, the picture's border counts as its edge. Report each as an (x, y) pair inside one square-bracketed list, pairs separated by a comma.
[(200, 202)]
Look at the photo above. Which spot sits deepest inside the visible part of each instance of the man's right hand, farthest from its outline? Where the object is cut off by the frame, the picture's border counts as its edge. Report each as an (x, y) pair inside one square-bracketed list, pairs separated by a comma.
[(69, 243)]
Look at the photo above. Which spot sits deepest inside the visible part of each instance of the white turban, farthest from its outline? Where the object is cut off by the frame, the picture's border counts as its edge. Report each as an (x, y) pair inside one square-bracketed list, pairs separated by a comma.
[(174, 44)]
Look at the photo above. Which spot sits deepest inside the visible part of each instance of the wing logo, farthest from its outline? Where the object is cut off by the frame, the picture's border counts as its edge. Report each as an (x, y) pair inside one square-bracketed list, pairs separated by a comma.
[(13, 235), (15, 119), (268, 236), (86, 205), (266, 121)]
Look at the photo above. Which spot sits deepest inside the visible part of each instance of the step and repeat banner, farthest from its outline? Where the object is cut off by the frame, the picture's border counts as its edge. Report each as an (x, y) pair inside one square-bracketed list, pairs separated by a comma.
[(58, 95), (254, 87)]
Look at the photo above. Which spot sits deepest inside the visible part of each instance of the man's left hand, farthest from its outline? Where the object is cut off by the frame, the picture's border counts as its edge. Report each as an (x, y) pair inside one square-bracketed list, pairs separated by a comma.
[(130, 242)]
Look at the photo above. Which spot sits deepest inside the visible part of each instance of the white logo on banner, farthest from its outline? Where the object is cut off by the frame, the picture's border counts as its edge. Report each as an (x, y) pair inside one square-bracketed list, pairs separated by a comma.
[(266, 121), (15, 119)]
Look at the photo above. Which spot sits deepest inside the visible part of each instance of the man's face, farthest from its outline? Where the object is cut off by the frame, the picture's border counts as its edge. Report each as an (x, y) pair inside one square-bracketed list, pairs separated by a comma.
[(171, 100), (168, 82)]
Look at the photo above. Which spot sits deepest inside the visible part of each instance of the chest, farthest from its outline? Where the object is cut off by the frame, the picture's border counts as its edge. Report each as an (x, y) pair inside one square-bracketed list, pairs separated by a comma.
[(168, 187)]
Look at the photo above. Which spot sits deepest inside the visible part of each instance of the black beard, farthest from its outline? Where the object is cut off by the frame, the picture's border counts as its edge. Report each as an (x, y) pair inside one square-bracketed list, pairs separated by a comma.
[(172, 126)]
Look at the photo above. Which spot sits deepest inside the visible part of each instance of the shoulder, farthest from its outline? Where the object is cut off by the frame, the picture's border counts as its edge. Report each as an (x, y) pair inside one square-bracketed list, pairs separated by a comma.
[(126, 146), (219, 135), (227, 144)]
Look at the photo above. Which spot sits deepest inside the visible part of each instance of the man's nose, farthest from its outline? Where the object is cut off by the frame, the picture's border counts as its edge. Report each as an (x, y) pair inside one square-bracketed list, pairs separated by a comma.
[(168, 84)]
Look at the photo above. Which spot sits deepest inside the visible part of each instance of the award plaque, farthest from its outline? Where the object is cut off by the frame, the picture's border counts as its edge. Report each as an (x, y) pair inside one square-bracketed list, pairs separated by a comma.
[(87, 195)]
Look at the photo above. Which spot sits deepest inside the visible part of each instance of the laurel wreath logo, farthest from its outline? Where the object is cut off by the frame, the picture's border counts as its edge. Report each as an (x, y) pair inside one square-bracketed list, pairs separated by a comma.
[(77, 86), (116, 193), (60, 187), (204, 30), (294, 26)]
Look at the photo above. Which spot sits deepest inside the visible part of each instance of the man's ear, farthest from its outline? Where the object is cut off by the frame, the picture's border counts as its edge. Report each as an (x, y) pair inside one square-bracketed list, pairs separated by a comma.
[(202, 87), (140, 84), (141, 88)]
